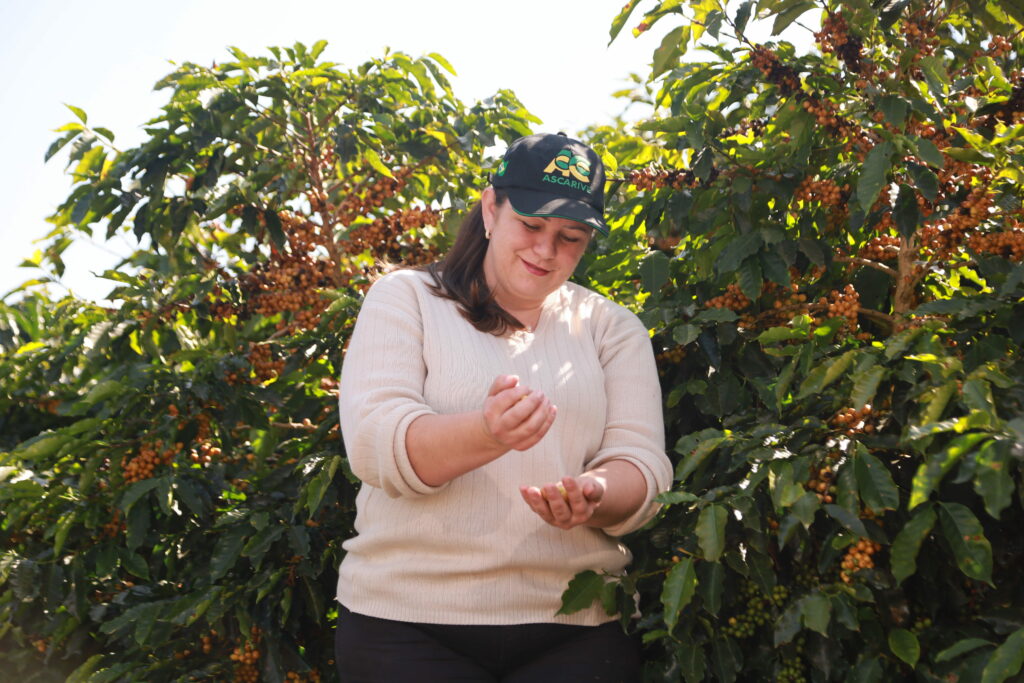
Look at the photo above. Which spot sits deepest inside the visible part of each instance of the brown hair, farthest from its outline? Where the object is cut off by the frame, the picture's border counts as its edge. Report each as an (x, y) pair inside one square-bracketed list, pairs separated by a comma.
[(459, 276)]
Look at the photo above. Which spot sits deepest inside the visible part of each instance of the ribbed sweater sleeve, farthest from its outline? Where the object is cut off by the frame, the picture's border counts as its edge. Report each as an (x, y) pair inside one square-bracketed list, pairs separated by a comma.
[(634, 429), (381, 389)]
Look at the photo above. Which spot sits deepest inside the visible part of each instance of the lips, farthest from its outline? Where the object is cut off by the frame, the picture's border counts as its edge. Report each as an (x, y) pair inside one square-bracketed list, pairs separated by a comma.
[(534, 270)]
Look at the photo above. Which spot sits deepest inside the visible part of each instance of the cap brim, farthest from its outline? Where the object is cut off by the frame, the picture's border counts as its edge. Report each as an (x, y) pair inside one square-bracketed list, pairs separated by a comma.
[(532, 203)]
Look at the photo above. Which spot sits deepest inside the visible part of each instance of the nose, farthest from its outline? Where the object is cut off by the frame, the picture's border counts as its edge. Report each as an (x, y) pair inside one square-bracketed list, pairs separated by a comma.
[(544, 246)]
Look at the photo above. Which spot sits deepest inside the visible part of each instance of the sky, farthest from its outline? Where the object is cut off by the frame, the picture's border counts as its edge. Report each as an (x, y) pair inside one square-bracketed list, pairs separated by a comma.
[(105, 55)]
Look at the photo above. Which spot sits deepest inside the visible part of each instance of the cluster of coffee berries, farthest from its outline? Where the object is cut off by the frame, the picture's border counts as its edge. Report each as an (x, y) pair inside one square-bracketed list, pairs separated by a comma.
[(672, 356), (844, 303), (858, 556), (654, 178), (667, 243), (734, 299), (361, 200), (383, 237), (114, 526), (1012, 111), (246, 656), (881, 247), (826, 113), (919, 32), (311, 676), (944, 237), (999, 46), (206, 641), (753, 127), (775, 71), (264, 364), (822, 484), (1009, 244), (792, 670), (144, 463), (921, 625), (826, 192), (852, 421), (758, 609), (835, 37), (205, 454), (48, 405)]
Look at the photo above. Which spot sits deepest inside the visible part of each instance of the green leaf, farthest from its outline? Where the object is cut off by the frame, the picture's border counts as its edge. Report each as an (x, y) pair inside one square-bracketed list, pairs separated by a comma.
[(673, 45), (445, 64), (847, 519), (904, 645), (1007, 659), (678, 590), (685, 334), (583, 590), (877, 489), (750, 277), (134, 564), (373, 159), (738, 250), (691, 660), (743, 16), (620, 20), (816, 610), (318, 486), (874, 174), (966, 537), (135, 491), (711, 531), (837, 369), (777, 334), (929, 153), (788, 624), (937, 465), (78, 112), (787, 17), (907, 544), (227, 551), (711, 584), (992, 481), (894, 108), (84, 672), (961, 647), (654, 271), (934, 69), (274, 228), (675, 497), (925, 179)]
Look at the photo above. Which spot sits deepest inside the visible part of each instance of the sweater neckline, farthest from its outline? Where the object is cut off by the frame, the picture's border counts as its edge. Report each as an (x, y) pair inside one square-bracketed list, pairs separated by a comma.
[(549, 303)]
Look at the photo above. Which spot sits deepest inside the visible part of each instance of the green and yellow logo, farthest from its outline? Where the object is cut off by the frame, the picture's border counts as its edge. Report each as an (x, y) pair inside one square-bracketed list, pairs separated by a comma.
[(574, 170), (503, 167)]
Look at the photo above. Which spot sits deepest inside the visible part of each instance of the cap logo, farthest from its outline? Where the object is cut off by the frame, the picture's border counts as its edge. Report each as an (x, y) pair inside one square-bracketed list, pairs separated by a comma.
[(503, 167), (573, 168), (567, 163)]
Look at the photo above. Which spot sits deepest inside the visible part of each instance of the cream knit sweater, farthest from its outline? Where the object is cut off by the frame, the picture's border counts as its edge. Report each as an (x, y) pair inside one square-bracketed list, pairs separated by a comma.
[(471, 551)]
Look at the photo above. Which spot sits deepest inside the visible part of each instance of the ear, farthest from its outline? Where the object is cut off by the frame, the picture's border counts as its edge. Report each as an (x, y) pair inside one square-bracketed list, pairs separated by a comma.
[(489, 207)]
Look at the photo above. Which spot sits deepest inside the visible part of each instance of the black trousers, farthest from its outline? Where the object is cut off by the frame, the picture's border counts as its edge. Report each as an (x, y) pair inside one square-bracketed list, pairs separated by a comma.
[(372, 650)]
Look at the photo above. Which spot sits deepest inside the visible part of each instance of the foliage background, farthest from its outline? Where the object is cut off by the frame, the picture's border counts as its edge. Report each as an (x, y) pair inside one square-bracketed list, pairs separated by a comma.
[(826, 247)]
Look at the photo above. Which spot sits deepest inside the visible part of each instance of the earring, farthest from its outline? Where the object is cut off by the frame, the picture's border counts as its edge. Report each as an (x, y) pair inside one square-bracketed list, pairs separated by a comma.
[(487, 233)]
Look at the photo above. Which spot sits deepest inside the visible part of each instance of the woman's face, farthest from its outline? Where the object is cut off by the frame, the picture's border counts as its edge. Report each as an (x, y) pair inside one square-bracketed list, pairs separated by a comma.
[(528, 257)]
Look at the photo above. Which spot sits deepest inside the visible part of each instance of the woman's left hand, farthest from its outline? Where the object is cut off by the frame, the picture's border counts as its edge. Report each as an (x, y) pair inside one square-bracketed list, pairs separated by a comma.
[(567, 503)]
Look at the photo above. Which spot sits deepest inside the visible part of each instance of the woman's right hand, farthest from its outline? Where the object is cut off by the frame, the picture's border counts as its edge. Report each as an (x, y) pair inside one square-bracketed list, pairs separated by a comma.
[(516, 418)]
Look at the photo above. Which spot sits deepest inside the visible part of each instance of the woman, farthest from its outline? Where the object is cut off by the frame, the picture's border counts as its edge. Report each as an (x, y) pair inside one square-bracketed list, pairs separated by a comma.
[(506, 425)]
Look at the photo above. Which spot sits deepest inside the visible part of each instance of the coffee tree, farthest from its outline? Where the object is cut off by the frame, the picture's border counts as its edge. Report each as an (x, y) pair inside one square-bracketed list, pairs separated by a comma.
[(835, 288), (174, 491)]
